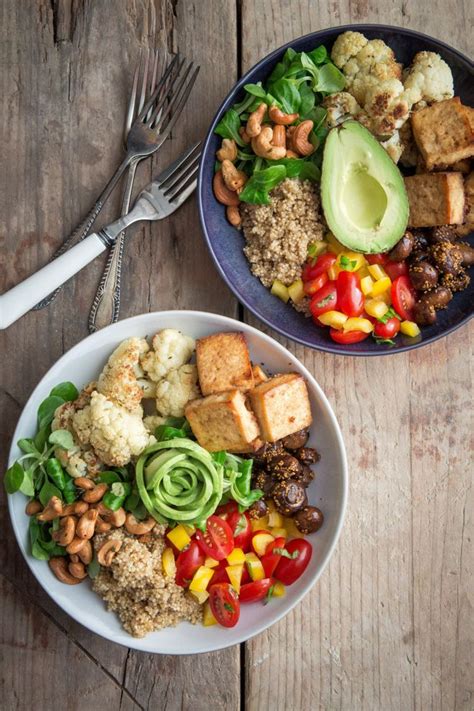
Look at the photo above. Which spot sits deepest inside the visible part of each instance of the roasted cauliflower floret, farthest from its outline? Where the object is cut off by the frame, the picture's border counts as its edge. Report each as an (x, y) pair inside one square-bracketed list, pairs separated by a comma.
[(393, 146), (347, 45), (175, 391), (171, 350), (428, 79), (115, 434), (151, 422), (339, 107), (120, 379), (79, 460), (386, 108)]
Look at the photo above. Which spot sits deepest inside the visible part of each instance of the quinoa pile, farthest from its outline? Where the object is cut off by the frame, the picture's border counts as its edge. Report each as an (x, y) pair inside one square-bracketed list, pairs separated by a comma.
[(278, 234), (135, 587)]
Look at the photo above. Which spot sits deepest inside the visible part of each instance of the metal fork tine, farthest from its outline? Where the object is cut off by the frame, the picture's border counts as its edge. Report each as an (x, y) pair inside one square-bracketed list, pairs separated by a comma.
[(176, 179), (181, 101), (143, 92), (174, 93), (157, 91), (133, 97), (174, 190), (171, 90), (163, 177), (185, 193)]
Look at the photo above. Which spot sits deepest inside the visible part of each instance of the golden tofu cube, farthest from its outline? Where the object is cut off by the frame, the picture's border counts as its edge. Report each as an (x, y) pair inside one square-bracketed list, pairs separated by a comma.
[(435, 199), (468, 225), (281, 405), (224, 421), (223, 363), (444, 133), (259, 375)]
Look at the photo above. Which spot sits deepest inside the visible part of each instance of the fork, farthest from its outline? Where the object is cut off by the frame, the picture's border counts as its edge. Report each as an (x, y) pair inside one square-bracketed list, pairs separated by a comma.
[(158, 200), (147, 133)]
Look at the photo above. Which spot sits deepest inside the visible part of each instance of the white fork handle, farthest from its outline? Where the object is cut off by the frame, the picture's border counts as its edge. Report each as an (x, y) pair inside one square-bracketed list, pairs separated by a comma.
[(22, 298)]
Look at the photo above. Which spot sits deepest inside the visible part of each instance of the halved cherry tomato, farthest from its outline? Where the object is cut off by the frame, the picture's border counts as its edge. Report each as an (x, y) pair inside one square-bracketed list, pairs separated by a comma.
[(322, 264), (311, 287), (290, 569), (350, 299), (324, 300), (257, 590), (224, 603), (389, 329), (270, 560), (220, 573), (217, 540), (349, 337), (187, 562), (396, 269), (226, 509), (403, 297), (241, 530), (377, 258)]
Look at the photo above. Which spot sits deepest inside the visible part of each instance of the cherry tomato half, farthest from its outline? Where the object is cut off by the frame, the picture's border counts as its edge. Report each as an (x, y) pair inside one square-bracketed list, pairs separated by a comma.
[(290, 569), (256, 590), (396, 269), (217, 540), (226, 509), (270, 560), (322, 264), (187, 562), (224, 603), (241, 530), (376, 258), (311, 287), (350, 299), (389, 329), (347, 338), (403, 297), (324, 300)]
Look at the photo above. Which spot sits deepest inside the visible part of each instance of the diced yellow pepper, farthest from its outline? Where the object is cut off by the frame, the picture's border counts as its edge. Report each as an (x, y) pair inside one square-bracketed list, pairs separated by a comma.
[(333, 271), (363, 272), (208, 618), (377, 271), (357, 257), (410, 328), (278, 589), (296, 291), (169, 563), (280, 290), (201, 597), (275, 519), (381, 285), (386, 297), (375, 308), (333, 245), (236, 557), (279, 532), (366, 284), (234, 573), (259, 524), (290, 526), (211, 562), (335, 319), (358, 324), (254, 566), (261, 541), (316, 248), (201, 579), (190, 530), (179, 537)]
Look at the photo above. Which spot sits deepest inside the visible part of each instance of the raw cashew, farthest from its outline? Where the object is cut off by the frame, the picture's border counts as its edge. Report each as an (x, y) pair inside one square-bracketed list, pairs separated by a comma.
[(59, 567), (33, 507), (278, 117), (85, 552), (222, 192), (279, 136), (244, 135), (300, 138), (86, 524), (233, 215), (65, 533), (108, 550), (84, 482), (116, 518), (77, 508), (77, 570), (52, 510), (76, 545), (102, 526), (233, 178), (228, 150), (95, 494), (138, 528), (262, 145), (254, 123), (291, 154)]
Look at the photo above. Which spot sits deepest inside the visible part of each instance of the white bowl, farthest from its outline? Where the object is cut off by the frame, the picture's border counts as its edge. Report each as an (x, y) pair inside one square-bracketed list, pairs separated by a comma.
[(328, 490)]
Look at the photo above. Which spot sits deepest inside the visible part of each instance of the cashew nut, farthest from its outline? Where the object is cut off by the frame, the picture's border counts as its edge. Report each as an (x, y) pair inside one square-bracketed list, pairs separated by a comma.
[(85, 552), (222, 192), (77, 570), (102, 526), (116, 518), (33, 507), (300, 138), (59, 567), (95, 494), (108, 550), (233, 215), (65, 533), (254, 123), (244, 135), (77, 508), (292, 154), (228, 150), (262, 145), (138, 528), (86, 524), (76, 545), (279, 136), (278, 117), (84, 482), (233, 178), (52, 510)]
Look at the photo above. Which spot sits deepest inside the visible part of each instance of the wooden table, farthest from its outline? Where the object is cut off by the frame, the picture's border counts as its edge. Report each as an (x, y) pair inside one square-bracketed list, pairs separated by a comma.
[(390, 623)]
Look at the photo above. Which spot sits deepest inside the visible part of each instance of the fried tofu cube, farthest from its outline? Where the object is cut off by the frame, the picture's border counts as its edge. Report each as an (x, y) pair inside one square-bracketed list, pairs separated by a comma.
[(435, 199), (259, 375), (281, 405), (223, 363), (224, 421), (444, 133), (468, 226)]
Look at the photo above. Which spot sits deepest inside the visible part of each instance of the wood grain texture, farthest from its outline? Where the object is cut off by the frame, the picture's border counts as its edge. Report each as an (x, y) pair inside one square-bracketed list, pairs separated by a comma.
[(390, 623)]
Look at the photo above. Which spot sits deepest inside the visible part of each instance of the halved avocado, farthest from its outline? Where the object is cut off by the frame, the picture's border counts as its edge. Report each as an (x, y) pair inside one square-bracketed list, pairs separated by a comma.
[(363, 194)]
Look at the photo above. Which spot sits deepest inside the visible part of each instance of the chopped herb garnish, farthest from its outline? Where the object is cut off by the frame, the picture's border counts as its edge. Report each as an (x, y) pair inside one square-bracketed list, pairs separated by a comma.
[(383, 340), (269, 595), (285, 554), (347, 264), (388, 315), (312, 249), (241, 526), (228, 607), (325, 301)]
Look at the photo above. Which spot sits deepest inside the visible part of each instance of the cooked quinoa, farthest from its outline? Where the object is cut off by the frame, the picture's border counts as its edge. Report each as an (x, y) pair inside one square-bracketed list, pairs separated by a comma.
[(135, 587), (278, 234)]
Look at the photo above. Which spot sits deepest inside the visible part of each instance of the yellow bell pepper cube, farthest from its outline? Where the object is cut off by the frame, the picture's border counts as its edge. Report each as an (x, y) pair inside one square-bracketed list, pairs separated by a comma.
[(280, 290), (201, 597), (316, 248), (168, 562), (386, 297), (296, 291), (290, 527), (356, 259), (236, 557), (234, 573), (377, 271), (201, 579), (190, 530), (211, 562), (333, 271), (335, 319), (254, 566), (366, 284), (410, 328), (333, 245), (278, 589), (179, 537), (358, 324), (208, 618), (261, 541), (259, 524), (279, 532), (363, 271), (375, 308), (381, 285), (275, 519)]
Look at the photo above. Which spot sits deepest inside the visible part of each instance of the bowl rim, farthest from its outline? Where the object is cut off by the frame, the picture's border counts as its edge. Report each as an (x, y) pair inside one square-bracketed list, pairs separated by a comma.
[(220, 321), (241, 297)]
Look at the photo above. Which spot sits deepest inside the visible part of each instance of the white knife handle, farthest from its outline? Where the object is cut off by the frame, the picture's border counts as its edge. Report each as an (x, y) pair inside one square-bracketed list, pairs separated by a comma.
[(24, 296)]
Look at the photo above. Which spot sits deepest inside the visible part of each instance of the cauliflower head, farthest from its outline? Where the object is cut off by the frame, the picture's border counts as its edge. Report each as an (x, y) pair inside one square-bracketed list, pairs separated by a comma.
[(151, 422), (115, 434), (171, 350), (339, 107), (428, 79), (347, 45), (175, 391), (386, 107), (79, 460), (120, 379)]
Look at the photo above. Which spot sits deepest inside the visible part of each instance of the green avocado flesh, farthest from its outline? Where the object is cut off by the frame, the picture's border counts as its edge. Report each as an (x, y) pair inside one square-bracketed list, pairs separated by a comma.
[(362, 191)]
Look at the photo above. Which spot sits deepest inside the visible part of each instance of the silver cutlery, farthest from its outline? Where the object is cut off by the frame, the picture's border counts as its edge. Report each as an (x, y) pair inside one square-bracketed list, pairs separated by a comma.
[(158, 200)]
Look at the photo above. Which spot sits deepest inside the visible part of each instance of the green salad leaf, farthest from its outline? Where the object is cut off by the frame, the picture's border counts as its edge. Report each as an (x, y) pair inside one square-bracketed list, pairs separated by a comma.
[(228, 127), (257, 189)]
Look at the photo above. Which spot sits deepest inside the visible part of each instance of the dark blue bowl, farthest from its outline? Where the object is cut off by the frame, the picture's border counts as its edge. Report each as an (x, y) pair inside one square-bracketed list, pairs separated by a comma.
[(226, 243)]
